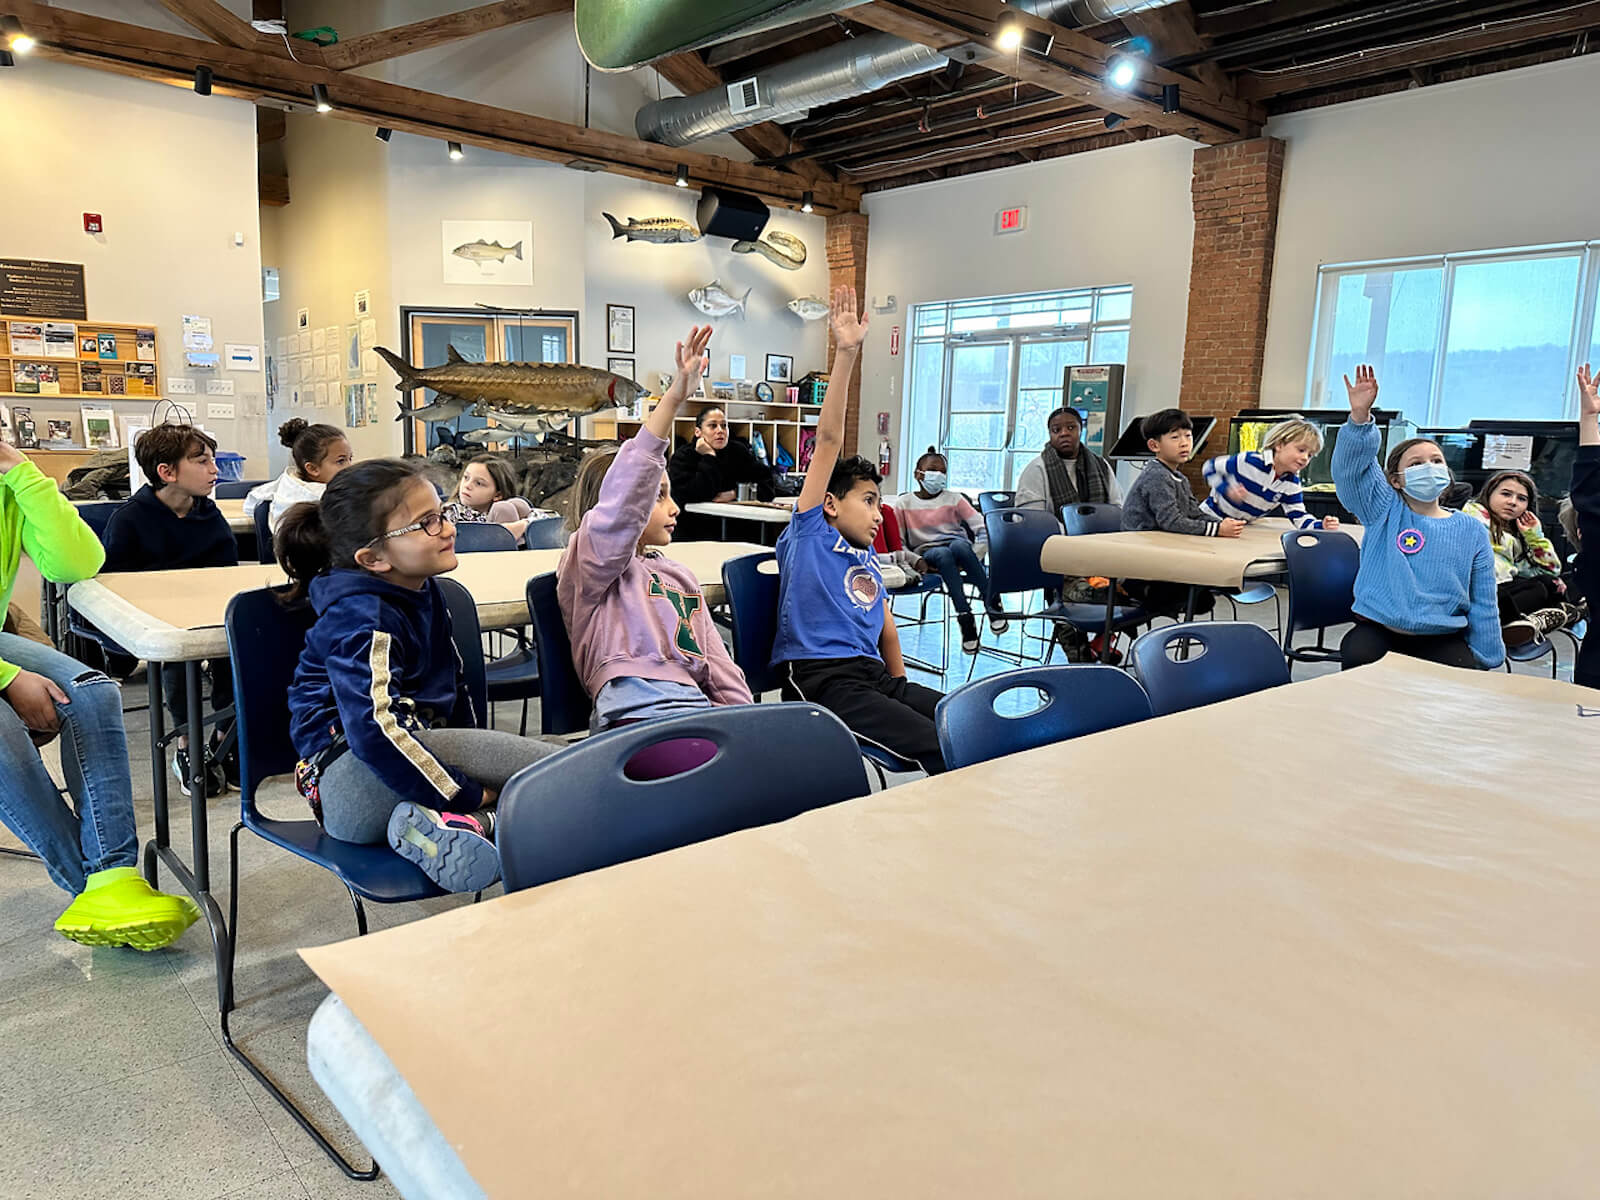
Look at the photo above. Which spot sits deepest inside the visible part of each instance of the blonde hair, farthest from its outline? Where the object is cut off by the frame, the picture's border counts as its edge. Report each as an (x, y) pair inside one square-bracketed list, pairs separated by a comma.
[(586, 488), (1291, 432)]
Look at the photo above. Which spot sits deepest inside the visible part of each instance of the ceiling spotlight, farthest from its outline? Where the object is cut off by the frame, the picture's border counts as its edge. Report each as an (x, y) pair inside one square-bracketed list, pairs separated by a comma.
[(202, 81), (19, 41), (384, 133), (320, 94), (1123, 71), (1114, 120), (1008, 35), (805, 201), (454, 149), (682, 179), (1169, 97)]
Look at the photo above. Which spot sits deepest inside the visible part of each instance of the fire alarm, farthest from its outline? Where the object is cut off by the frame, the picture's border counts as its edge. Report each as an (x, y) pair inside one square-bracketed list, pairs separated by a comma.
[(92, 223)]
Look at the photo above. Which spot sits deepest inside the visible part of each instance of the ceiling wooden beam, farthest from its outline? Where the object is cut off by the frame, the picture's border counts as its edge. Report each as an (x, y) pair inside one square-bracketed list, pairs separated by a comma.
[(1075, 68), (1042, 133), (767, 39), (1473, 40), (1171, 32), (367, 48), (167, 58), (690, 74), (211, 19), (1255, 18), (909, 139), (1003, 158), (272, 190)]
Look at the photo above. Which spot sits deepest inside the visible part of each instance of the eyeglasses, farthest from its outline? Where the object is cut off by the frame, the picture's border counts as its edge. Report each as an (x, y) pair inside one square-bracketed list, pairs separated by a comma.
[(430, 524)]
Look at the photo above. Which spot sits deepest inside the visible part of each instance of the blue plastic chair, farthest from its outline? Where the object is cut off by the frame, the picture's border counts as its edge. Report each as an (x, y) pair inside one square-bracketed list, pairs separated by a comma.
[(753, 607), (481, 537), (988, 502), (96, 516), (546, 533), (581, 810), (564, 706), (1217, 660), (1016, 537), (235, 489), (1077, 700), (264, 643), (1091, 518), (264, 551), (1322, 567)]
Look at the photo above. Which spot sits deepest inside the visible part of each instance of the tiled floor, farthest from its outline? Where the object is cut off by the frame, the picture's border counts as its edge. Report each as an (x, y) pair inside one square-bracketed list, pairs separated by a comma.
[(113, 1079)]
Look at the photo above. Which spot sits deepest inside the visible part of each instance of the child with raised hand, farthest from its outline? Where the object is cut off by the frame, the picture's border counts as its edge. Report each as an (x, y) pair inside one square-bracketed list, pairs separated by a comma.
[(837, 644), (379, 710), (1250, 484), (487, 494), (1426, 585), (643, 641), (90, 847), (944, 528), (318, 453), (1585, 497), (1527, 569)]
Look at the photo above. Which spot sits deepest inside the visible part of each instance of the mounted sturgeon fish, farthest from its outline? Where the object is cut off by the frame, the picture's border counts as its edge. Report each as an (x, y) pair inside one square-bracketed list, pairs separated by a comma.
[(717, 301), (784, 249), (549, 394), (663, 231)]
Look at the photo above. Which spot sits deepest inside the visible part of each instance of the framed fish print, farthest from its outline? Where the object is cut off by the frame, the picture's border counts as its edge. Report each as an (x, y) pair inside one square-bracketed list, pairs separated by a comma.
[(619, 329), (487, 252), (780, 368)]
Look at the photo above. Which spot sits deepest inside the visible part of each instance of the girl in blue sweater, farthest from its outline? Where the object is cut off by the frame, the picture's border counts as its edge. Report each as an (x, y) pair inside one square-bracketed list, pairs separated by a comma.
[(1426, 582)]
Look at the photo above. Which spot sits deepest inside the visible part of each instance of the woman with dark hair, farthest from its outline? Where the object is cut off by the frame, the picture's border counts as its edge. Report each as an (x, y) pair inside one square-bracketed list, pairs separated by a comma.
[(711, 468)]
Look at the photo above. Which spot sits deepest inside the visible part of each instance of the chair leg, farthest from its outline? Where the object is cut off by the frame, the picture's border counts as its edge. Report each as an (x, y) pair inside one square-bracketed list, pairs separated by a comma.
[(11, 853), (277, 1093)]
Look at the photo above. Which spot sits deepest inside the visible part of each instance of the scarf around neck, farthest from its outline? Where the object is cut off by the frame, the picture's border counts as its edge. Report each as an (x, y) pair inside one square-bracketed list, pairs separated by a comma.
[(1085, 485)]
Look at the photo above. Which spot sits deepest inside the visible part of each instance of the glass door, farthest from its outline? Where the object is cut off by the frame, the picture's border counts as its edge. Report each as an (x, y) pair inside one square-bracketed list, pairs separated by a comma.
[(1042, 366), (978, 389)]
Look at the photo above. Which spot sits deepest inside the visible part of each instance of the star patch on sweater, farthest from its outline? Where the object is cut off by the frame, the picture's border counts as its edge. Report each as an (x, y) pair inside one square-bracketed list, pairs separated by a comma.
[(1410, 541)]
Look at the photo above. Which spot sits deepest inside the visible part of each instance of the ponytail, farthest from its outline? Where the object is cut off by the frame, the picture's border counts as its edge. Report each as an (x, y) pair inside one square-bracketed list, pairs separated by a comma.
[(315, 538)]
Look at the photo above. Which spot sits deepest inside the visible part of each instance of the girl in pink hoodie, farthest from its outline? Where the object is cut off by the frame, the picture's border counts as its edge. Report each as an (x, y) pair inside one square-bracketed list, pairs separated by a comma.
[(643, 641)]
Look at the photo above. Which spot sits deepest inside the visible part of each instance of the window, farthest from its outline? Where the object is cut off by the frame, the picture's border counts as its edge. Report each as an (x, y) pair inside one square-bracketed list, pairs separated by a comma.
[(1465, 337), (982, 376)]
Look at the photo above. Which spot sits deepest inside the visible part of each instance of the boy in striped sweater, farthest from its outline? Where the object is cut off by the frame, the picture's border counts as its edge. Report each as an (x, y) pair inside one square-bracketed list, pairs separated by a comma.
[(1250, 484)]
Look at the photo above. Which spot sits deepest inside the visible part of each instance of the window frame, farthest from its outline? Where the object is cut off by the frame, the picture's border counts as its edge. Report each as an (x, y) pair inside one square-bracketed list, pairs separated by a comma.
[(1581, 334)]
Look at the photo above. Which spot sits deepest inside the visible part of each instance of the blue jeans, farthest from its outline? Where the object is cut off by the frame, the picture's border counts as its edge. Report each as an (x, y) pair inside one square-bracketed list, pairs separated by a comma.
[(94, 755), (958, 562)]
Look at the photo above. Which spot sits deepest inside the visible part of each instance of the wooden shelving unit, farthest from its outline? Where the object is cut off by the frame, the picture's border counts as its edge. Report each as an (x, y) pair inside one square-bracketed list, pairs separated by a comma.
[(779, 424), (71, 372)]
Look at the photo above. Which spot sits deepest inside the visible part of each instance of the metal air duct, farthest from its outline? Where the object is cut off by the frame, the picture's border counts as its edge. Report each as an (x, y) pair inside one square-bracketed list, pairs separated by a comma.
[(853, 67)]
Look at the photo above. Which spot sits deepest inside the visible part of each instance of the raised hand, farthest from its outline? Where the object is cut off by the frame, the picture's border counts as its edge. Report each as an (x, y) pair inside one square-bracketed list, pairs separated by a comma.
[(689, 357), (849, 328), (1330, 522), (1363, 393), (1589, 391)]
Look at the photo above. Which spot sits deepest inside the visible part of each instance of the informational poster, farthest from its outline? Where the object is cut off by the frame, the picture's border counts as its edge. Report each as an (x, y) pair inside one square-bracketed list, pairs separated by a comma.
[(27, 338), (60, 339), (35, 288), (1096, 391), (196, 332), (1507, 452)]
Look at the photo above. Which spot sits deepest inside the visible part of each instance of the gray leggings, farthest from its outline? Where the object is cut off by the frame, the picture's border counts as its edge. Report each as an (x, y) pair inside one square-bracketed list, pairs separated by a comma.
[(356, 804)]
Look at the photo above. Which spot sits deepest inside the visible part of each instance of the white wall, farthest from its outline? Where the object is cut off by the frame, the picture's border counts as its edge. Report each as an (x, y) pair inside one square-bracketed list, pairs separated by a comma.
[(173, 194), (1504, 160), (1114, 216)]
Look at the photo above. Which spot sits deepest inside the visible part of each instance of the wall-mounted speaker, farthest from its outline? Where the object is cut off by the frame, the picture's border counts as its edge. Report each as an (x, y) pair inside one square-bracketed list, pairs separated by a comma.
[(726, 214)]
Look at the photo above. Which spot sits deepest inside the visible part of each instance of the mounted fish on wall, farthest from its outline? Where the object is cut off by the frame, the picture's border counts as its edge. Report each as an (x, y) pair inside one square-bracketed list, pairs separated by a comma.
[(717, 301), (487, 252), (660, 230), (783, 249), (808, 308)]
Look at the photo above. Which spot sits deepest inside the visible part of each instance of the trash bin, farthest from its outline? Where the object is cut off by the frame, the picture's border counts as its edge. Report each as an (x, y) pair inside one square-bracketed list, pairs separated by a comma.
[(230, 466)]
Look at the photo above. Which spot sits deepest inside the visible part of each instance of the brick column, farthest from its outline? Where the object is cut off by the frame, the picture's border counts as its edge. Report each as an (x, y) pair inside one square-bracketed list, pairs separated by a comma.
[(1235, 193), (847, 267)]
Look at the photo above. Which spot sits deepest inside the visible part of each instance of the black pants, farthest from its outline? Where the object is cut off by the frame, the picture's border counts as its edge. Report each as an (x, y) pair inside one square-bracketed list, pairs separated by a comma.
[(1168, 599), (175, 687), (1369, 641), (877, 706), (1525, 594)]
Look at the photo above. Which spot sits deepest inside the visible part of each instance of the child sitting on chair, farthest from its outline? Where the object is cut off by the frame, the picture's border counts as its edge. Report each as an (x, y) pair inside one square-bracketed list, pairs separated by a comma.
[(643, 641), (487, 494), (1250, 484), (379, 711), (1527, 570)]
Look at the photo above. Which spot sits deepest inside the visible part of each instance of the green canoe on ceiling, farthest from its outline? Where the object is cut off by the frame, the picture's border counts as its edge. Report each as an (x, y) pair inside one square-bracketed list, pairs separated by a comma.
[(618, 35)]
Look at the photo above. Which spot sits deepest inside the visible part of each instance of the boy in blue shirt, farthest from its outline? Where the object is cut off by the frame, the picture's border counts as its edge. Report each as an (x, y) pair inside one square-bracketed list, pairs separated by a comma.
[(837, 645)]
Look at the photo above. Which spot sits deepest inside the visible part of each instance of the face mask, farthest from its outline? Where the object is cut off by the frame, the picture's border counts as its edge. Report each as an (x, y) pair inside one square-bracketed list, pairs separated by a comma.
[(1425, 482), (933, 482)]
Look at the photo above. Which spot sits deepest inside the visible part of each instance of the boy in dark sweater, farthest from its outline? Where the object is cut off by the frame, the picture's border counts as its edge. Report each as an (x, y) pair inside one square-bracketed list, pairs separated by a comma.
[(1161, 499), (169, 524)]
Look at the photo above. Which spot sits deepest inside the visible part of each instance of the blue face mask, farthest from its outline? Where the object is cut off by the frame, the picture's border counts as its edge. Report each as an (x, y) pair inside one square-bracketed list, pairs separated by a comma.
[(1425, 482), (933, 482)]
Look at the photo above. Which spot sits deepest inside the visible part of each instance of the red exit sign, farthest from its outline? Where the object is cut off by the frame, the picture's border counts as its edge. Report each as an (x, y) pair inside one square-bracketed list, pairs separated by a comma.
[(1011, 220)]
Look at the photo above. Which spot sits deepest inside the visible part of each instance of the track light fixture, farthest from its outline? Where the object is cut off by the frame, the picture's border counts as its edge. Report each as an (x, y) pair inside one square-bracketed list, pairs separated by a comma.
[(1011, 35), (1114, 120), (805, 201), (319, 93), (455, 152), (384, 134), (682, 179), (17, 39), (202, 80), (1008, 35), (6, 60), (1123, 71), (1169, 97)]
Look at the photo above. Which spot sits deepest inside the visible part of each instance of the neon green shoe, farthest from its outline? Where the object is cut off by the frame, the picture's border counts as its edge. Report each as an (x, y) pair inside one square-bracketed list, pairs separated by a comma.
[(118, 908)]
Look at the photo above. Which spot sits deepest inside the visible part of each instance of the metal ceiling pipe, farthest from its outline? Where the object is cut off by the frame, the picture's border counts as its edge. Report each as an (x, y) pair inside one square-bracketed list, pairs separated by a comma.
[(851, 68)]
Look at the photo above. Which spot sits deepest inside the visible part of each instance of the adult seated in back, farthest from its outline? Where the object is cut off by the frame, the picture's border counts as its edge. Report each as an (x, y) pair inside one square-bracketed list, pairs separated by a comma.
[(711, 468), (90, 847), (1067, 471)]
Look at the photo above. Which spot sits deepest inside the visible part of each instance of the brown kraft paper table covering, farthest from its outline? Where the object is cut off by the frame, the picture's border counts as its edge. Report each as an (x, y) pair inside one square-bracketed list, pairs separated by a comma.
[(1173, 557), (1336, 939)]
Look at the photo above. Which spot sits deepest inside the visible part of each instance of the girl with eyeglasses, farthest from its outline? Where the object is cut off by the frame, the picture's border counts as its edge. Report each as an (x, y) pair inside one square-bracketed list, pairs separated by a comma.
[(379, 711)]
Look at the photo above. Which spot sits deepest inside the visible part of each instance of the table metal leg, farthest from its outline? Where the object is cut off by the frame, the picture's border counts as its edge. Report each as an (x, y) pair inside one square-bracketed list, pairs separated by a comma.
[(158, 769), (1111, 614)]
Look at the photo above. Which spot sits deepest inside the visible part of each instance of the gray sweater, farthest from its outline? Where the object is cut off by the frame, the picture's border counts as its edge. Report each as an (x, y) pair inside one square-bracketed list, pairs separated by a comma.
[(1160, 498)]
